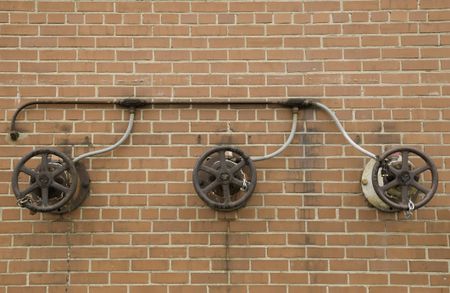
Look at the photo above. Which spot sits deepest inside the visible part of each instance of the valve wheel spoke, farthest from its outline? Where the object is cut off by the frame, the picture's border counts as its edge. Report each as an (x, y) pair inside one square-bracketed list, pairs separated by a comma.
[(30, 188), (44, 161), (238, 167), (420, 170), (44, 196), (211, 186), (405, 165), (222, 157), (28, 171), (238, 182), (226, 192), (405, 194), (60, 170), (209, 170), (389, 185), (394, 170), (420, 187), (60, 187)]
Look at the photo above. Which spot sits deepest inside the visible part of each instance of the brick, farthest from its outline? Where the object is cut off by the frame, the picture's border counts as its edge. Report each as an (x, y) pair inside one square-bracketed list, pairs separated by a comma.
[(302, 42), (106, 67), (247, 7), (95, 7), (18, 54), (284, 7), (407, 4), (361, 5), (438, 15), (381, 65), (57, 55), (58, 30), (435, 27), (369, 279), (426, 40), (169, 278), (381, 91), (10, 42), (17, 6), (171, 55), (284, 29), (19, 30), (434, 4), (188, 43), (250, 30), (421, 91), (341, 42), (115, 91), (258, 42), (361, 78), (328, 278), (171, 7), (320, 54), (323, 6), (405, 78), (144, 42), (380, 41), (209, 7), (401, 278), (131, 30), (361, 53), (133, 7), (324, 29), (361, 29), (435, 77), (31, 91)]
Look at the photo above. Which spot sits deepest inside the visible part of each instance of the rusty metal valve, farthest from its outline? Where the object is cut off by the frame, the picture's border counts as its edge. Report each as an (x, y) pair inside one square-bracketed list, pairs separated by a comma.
[(47, 180), (405, 178), (224, 178)]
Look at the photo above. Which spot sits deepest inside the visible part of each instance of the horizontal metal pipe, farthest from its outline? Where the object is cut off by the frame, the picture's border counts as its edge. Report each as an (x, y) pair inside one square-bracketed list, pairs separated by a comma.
[(137, 103)]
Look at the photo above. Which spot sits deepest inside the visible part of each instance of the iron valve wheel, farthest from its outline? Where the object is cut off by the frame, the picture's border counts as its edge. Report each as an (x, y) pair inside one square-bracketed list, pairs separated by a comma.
[(50, 184), (416, 186), (224, 178)]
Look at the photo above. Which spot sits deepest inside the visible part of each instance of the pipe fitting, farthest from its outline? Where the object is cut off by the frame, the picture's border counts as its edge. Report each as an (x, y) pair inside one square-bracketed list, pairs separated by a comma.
[(14, 135), (132, 103)]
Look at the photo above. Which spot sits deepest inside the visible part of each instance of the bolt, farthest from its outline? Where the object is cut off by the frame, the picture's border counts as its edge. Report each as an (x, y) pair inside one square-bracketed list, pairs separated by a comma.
[(224, 176), (405, 177), (364, 181)]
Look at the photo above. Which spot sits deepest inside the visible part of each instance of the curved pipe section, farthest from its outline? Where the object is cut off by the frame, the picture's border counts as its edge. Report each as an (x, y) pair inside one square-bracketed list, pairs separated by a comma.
[(14, 134), (112, 147), (342, 130), (288, 141)]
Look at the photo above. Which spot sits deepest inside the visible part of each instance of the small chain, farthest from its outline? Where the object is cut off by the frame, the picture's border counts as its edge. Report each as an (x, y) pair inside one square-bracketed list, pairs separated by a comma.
[(409, 212), (23, 201), (244, 185)]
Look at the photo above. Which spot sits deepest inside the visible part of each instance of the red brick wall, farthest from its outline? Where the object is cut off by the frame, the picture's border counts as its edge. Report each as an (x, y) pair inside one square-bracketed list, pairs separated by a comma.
[(382, 65)]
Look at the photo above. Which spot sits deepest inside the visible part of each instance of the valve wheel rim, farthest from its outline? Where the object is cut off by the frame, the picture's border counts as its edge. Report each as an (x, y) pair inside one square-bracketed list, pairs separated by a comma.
[(44, 179), (405, 178), (225, 178)]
